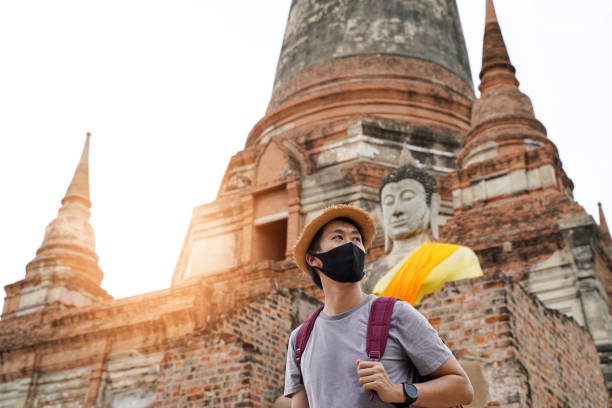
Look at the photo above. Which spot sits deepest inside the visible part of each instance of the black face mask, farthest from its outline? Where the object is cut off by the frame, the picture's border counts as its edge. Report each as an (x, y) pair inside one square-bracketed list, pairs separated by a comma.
[(343, 263)]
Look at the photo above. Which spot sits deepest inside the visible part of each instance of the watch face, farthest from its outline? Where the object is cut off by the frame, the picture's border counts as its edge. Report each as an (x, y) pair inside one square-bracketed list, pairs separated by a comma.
[(411, 391)]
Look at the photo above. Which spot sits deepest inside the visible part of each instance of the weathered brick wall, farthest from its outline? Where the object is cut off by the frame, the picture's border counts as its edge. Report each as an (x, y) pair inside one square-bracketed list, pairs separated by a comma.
[(118, 347), (63, 388), (557, 354), (473, 318), (237, 362), (530, 355), (511, 233), (189, 347)]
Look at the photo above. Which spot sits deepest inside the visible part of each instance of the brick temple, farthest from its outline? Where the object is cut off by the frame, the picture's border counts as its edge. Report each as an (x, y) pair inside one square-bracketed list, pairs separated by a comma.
[(361, 87)]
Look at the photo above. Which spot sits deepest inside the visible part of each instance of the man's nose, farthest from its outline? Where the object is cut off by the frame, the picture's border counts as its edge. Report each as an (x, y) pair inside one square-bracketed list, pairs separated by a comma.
[(397, 212)]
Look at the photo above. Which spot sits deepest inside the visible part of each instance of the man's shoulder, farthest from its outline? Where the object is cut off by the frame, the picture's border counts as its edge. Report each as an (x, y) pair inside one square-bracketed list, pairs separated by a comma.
[(294, 333), (403, 307), (404, 312)]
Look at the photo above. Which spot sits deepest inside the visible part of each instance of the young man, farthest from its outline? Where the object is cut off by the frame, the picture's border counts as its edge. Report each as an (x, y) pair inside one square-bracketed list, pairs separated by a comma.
[(334, 366)]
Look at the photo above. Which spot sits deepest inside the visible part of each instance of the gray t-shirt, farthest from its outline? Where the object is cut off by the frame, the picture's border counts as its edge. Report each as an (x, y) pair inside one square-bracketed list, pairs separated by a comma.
[(336, 342)]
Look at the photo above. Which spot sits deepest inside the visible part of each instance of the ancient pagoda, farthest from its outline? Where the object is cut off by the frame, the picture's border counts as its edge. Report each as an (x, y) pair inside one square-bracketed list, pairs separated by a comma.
[(361, 88)]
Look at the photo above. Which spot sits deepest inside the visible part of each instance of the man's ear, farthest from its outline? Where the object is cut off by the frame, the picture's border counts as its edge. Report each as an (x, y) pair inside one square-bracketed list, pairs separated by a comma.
[(313, 261), (434, 209)]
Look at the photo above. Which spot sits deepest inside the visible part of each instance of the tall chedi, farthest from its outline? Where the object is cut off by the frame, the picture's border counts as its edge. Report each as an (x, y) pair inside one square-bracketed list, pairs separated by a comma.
[(513, 202), (65, 272), (360, 87)]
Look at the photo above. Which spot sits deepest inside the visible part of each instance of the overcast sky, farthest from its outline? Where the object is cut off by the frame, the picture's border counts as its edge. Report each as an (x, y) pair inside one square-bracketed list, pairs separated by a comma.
[(170, 90)]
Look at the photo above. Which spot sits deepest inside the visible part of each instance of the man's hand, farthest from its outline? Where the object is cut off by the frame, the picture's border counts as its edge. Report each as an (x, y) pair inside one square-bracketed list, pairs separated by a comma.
[(373, 377)]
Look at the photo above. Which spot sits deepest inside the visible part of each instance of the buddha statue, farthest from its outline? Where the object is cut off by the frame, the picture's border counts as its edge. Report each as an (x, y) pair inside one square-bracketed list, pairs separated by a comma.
[(415, 266)]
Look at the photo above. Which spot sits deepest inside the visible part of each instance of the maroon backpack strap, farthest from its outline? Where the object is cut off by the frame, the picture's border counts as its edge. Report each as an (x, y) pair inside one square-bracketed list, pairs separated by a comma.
[(378, 328), (302, 338)]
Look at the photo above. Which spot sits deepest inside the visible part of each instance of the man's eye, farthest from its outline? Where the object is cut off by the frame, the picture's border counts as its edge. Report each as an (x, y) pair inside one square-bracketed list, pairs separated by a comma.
[(388, 200), (337, 236), (358, 239)]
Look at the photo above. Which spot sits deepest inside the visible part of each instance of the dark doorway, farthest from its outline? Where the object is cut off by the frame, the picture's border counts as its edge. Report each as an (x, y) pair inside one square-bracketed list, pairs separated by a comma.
[(270, 241)]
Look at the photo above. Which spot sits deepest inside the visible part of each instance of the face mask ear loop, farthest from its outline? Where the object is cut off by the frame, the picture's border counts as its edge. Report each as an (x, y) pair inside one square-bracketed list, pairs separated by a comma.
[(313, 272)]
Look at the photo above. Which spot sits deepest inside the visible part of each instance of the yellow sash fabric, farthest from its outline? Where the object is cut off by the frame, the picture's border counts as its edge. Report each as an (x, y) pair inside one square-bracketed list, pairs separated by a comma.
[(426, 270)]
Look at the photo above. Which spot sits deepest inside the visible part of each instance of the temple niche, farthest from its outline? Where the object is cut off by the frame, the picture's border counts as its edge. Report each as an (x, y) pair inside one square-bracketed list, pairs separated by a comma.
[(358, 96), (262, 196)]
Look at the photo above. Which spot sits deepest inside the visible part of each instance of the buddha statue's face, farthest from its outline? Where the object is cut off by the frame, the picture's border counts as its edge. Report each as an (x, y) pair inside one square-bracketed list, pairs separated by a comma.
[(405, 210)]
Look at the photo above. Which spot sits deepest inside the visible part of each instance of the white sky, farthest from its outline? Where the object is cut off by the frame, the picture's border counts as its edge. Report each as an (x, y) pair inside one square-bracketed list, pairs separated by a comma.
[(170, 90)]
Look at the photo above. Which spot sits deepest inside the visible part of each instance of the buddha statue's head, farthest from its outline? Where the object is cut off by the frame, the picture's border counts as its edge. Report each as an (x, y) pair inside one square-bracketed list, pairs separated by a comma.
[(410, 202)]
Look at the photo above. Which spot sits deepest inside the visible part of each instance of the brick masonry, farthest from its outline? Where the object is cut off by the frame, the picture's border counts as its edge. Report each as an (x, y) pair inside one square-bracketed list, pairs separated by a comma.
[(531, 355), (237, 362)]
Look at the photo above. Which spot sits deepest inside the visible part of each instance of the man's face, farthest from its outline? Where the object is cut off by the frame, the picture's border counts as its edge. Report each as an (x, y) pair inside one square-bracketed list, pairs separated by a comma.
[(404, 208), (337, 233)]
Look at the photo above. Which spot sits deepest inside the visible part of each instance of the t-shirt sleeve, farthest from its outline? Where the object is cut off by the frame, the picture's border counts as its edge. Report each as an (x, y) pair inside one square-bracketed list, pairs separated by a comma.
[(292, 370), (418, 338)]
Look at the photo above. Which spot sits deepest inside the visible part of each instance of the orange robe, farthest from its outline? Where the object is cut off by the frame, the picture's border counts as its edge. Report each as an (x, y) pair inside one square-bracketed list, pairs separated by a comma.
[(426, 270)]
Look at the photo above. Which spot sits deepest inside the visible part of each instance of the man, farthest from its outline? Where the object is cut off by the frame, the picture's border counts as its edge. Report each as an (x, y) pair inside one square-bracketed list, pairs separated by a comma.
[(334, 364), (415, 266)]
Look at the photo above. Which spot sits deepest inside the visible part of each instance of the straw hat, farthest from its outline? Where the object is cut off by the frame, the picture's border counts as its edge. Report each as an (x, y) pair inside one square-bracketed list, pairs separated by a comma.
[(363, 220)]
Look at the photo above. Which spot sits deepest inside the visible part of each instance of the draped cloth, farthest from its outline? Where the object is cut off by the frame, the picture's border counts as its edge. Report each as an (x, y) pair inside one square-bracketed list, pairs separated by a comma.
[(426, 270)]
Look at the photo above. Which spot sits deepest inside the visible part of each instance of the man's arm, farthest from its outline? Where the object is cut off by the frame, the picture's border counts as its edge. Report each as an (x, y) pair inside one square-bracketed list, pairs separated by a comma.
[(294, 388), (449, 387), (299, 400)]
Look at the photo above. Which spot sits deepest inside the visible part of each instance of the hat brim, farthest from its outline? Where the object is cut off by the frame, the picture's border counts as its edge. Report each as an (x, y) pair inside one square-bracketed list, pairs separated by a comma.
[(363, 220)]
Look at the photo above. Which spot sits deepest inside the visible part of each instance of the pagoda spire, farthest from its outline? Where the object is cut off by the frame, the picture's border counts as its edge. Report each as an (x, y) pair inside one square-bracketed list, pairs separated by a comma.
[(490, 16), (65, 271), (500, 99), (505, 140), (496, 67), (70, 233), (79, 186), (604, 225)]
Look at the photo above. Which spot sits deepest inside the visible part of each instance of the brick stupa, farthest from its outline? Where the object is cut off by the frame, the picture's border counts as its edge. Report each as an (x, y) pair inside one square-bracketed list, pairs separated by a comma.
[(65, 271)]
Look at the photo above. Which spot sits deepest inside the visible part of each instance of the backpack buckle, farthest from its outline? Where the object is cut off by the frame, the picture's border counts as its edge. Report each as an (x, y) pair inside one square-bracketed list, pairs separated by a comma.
[(298, 354), (374, 355)]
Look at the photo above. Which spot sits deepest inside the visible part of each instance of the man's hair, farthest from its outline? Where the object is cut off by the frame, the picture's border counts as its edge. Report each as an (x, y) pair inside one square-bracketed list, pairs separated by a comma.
[(315, 246), (409, 171)]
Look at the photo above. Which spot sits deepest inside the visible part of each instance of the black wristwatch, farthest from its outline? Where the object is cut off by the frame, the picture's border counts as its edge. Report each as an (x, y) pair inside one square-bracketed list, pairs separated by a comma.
[(411, 393)]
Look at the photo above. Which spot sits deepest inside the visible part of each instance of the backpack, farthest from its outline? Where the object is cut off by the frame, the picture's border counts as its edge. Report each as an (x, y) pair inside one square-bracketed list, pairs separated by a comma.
[(376, 337)]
